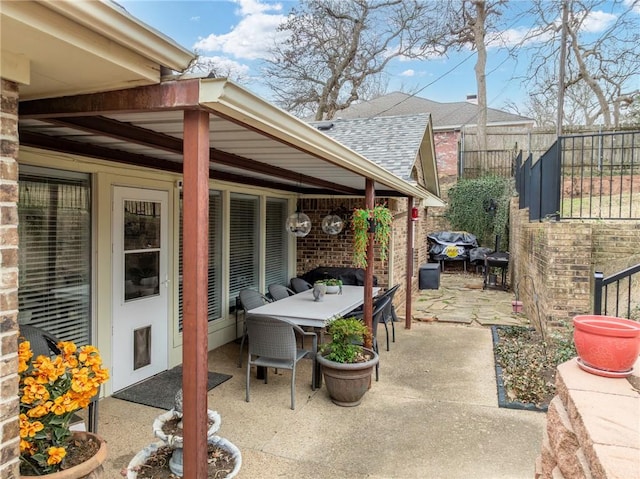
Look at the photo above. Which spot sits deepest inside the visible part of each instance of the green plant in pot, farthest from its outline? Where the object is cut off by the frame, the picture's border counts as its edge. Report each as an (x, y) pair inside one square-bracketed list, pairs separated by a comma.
[(333, 285), (376, 221), (346, 364)]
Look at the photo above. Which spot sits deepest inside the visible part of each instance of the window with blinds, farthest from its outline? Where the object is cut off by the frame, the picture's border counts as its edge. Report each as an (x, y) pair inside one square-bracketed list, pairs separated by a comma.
[(276, 260), (214, 303), (54, 213), (244, 248)]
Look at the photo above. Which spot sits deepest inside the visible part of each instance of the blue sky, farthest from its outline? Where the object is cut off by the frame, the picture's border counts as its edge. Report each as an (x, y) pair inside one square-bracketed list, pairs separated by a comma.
[(237, 33)]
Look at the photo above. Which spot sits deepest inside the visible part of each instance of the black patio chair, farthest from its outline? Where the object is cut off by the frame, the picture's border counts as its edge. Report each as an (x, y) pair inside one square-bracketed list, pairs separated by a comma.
[(299, 285), (278, 291), (379, 307)]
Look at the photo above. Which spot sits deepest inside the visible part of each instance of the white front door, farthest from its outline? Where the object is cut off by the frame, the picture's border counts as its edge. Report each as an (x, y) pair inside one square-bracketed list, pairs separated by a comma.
[(140, 285)]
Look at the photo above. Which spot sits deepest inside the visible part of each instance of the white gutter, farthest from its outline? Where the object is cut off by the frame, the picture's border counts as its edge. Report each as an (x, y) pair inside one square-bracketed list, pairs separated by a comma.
[(229, 99), (115, 23)]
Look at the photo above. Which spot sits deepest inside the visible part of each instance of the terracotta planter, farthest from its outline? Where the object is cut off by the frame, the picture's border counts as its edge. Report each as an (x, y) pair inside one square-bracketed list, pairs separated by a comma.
[(606, 345), (91, 469), (347, 383)]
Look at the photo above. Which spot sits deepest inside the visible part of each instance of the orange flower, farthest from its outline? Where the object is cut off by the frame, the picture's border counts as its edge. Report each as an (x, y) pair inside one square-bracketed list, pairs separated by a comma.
[(24, 355), (40, 410), (33, 392), (56, 454), (28, 428)]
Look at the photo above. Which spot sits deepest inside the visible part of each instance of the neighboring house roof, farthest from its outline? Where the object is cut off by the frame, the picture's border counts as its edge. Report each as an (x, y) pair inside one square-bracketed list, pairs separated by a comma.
[(393, 142), (444, 115)]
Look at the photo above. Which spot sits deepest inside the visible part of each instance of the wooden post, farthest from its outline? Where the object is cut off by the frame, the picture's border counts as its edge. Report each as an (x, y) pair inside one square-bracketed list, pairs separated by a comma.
[(368, 277), (409, 279), (195, 241)]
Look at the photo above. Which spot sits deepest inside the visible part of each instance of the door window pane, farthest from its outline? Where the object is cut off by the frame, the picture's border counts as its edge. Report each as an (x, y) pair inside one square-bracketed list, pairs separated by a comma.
[(142, 221)]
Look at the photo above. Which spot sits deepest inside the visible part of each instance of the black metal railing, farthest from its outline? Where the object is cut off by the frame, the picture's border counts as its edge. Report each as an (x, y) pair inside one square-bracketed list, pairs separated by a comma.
[(592, 176), (617, 295), (600, 176)]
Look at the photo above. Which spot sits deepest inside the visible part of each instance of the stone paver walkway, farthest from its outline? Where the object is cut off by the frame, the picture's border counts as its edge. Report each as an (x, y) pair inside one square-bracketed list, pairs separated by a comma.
[(461, 299)]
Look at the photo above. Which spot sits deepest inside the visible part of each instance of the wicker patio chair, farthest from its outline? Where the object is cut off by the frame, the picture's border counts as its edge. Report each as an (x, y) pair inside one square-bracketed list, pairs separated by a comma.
[(272, 344), (299, 285), (249, 299), (278, 292)]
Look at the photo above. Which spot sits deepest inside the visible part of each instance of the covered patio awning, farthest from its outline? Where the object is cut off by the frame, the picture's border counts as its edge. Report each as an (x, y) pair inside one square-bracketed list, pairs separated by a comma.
[(208, 128), (250, 140)]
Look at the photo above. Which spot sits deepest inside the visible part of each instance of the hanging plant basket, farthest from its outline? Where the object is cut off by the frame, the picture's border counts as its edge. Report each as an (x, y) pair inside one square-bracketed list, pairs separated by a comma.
[(376, 221)]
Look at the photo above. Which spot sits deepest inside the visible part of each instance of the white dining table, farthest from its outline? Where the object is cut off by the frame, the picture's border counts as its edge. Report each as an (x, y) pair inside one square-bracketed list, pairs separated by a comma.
[(303, 310)]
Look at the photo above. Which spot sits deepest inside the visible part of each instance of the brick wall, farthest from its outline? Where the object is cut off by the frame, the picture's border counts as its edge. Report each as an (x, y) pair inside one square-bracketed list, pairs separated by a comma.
[(554, 262), (593, 428), (320, 249), (9, 430)]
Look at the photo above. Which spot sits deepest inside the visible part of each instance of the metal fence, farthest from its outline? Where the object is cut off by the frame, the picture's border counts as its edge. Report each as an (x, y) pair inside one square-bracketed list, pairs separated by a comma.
[(592, 176), (617, 295)]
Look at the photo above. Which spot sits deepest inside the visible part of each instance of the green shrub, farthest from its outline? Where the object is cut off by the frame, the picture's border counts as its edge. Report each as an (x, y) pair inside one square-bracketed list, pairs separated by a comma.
[(468, 209)]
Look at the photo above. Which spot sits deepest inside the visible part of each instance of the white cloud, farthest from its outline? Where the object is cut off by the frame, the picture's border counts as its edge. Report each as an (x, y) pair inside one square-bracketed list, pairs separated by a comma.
[(253, 7), (408, 73), (597, 21), (195, 19), (252, 37)]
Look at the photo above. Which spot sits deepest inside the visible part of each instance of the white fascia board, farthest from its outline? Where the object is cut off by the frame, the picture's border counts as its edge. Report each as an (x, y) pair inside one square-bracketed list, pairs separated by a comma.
[(115, 23), (231, 100)]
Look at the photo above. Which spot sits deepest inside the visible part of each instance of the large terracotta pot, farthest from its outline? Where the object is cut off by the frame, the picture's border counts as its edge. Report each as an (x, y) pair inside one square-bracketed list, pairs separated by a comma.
[(606, 345), (91, 469), (347, 383)]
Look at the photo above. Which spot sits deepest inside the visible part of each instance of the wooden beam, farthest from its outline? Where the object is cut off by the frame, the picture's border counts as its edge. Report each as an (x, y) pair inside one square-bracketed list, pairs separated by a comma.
[(144, 137), (369, 200), (171, 95), (51, 143), (409, 279), (195, 283)]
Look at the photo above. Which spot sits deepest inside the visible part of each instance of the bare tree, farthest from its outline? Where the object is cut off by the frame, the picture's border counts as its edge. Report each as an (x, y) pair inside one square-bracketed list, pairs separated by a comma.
[(601, 66), (337, 51), (465, 24)]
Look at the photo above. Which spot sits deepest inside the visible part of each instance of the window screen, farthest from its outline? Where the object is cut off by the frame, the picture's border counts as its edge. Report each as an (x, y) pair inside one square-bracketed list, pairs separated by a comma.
[(214, 303), (244, 250), (276, 260), (54, 212)]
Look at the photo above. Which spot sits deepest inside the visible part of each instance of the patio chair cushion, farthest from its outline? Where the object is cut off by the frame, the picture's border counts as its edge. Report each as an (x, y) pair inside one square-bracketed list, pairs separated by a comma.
[(349, 276)]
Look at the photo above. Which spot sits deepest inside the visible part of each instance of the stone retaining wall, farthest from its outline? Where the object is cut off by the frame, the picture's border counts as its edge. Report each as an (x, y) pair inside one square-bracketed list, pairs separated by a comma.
[(593, 427)]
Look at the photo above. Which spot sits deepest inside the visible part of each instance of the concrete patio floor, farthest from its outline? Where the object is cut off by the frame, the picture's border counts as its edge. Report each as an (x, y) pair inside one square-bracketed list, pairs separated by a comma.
[(433, 414)]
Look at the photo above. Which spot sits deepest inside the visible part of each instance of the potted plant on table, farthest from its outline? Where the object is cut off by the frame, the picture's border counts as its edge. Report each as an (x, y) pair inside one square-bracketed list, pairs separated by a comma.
[(346, 364), (51, 391), (332, 285)]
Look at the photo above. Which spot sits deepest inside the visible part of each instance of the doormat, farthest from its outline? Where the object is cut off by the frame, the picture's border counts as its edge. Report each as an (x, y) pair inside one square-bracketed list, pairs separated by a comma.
[(160, 390)]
